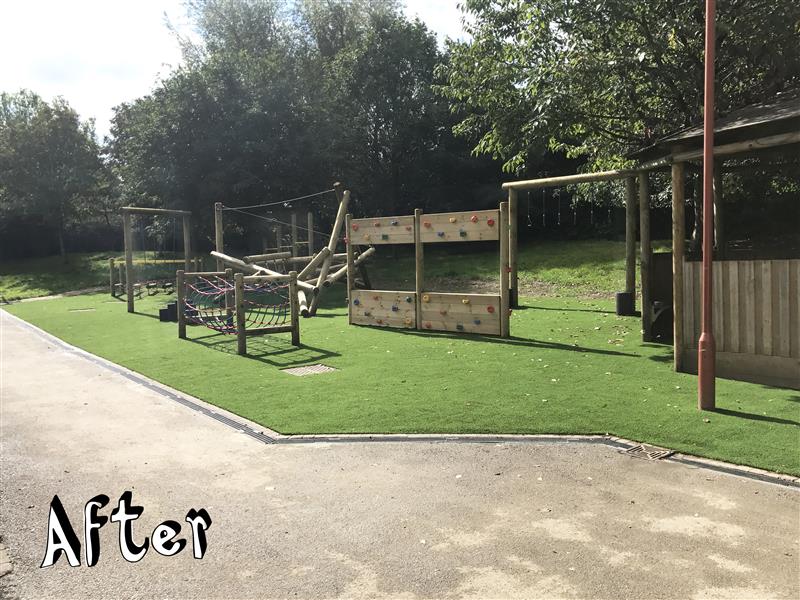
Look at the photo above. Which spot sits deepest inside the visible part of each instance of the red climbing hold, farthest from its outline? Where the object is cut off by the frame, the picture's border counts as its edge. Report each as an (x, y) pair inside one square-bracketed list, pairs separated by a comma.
[(427, 325), (427, 223), (377, 223), (490, 309), (355, 226), (490, 222), (474, 218)]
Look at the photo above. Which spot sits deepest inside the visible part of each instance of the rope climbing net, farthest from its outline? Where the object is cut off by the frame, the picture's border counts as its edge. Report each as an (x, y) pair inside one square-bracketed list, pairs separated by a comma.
[(209, 301)]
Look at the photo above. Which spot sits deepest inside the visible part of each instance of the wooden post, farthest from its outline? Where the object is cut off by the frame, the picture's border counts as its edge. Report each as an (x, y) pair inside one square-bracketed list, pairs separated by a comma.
[(111, 275), (350, 270), (504, 270), (646, 252), (295, 238), (419, 263), (121, 277), (719, 211), (630, 236), (180, 289), (241, 332), (678, 252), (187, 242), (228, 299), (310, 226), (512, 247), (294, 305), (219, 238), (129, 277)]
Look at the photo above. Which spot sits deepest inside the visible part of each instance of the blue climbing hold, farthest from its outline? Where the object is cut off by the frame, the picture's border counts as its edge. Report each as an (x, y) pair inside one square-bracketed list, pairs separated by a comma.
[(356, 302), (440, 233), (394, 308), (408, 299), (460, 327), (384, 236), (477, 321), (462, 233)]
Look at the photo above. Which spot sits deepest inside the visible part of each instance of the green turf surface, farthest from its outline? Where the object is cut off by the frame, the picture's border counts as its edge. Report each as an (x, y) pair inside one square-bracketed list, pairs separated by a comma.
[(571, 367)]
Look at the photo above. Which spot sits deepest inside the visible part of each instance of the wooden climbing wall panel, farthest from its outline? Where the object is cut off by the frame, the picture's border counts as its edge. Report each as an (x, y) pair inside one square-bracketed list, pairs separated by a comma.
[(463, 313), (382, 230), (381, 308), (472, 226)]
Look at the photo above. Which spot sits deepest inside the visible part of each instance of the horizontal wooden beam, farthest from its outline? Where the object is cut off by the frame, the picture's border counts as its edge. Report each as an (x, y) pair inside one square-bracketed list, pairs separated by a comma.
[(545, 182), (772, 141), (265, 278), (155, 211), (204, 274), (264, 257)]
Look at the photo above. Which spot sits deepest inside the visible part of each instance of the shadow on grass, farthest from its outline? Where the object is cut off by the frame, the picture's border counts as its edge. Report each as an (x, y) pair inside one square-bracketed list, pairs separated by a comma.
[(755, 417), (511, 341), (586, 310), (267, 349)]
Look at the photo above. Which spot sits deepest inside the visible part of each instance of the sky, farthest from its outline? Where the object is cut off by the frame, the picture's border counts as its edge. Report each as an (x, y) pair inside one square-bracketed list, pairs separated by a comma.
[(99, 53)]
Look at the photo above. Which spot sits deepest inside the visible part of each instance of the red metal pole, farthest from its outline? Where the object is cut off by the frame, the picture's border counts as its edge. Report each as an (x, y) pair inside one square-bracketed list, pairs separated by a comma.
[(706, 351)]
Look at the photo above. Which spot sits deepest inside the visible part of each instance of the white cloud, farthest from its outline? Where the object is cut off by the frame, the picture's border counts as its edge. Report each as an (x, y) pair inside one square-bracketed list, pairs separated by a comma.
[(100, 53)]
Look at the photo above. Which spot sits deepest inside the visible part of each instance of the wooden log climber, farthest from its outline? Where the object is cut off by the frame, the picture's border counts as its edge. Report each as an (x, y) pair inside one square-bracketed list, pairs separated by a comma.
[(344, 199)]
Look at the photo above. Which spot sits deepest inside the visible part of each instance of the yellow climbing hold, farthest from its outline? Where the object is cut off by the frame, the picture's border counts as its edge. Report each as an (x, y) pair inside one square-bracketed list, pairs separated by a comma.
[(465, 300), (452, 219), (426, 298)]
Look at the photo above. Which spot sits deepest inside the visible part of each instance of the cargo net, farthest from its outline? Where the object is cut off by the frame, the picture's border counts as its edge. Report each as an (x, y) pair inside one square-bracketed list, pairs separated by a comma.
[(210, 302)]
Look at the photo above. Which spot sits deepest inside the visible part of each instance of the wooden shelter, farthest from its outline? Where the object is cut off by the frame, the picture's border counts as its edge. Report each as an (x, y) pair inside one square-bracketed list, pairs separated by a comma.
[(756, 299)]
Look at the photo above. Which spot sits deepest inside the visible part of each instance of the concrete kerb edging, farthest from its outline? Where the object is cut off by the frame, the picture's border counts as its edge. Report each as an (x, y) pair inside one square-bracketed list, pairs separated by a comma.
[(269, 436)]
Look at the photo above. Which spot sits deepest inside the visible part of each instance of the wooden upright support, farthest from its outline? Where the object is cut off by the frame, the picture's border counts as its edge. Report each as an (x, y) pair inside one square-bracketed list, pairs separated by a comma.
[(187, 242), (512, 247), (219, 239), (294, 300), (180, 289), (310, 225), (350, 270), (111, 275), (505, 268), (678, 252), (419, 277), (241, 332), (630, 236), (646, 253), (128, 237)]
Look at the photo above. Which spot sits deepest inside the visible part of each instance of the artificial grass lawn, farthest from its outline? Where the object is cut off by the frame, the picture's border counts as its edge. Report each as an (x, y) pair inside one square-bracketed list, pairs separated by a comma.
[(572, 367)]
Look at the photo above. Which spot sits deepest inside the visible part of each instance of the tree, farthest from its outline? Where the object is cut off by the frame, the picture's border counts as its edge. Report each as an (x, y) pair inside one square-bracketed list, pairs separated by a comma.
[(50, 166), (599, 79)]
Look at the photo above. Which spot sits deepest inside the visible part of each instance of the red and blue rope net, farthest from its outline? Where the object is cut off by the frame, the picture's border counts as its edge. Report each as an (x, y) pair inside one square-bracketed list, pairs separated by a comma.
[(209, 302)]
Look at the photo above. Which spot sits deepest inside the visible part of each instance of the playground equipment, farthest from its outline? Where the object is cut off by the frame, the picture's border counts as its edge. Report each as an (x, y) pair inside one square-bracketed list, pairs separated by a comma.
[(315, 268), (131, 286), (424, 309), (239, 305)]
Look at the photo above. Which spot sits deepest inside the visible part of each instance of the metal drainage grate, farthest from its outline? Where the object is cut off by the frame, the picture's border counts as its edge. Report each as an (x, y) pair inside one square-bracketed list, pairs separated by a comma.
[(309, 370), (648, 452)]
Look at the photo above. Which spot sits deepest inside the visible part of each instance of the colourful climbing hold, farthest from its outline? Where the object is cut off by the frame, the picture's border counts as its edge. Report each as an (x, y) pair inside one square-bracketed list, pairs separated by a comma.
[(376, 297), (427, 325), (426, 298), (490, 309), (465, 301), (508, 269), (377, 223), (366, 236), (356, 301), (408, 227), (384, 236), (395, 222), (490, 222), (462, 233), (355, 226), (477, 321), (452, 219), (460, 327), (427, 223), (379, 321), (474, 218), (407, 322), (394, 308), (443, 312), (440, 233), (409, 299)]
